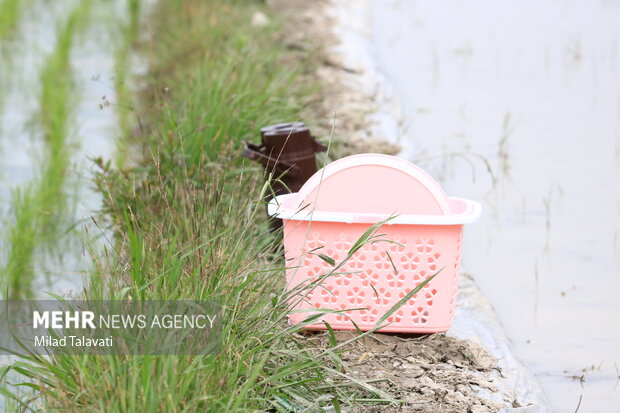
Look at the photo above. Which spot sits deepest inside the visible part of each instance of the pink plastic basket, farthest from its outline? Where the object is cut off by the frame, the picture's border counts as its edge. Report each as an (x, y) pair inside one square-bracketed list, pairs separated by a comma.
[(335, 207)]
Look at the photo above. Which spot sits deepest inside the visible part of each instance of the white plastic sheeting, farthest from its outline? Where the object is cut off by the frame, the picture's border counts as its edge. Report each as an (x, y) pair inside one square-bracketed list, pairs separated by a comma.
[(475, 320)]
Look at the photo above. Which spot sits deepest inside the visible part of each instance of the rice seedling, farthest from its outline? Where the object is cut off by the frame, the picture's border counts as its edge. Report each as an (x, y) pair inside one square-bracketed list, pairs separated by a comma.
[(124, 108), (38, 206), (10, 12), (17, 273), (553, 197), (133, 6), (503, 154)]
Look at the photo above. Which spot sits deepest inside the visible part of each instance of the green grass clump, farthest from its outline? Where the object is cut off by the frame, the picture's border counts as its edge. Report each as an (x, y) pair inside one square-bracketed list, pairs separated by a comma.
[(188, 225), (39, 206)]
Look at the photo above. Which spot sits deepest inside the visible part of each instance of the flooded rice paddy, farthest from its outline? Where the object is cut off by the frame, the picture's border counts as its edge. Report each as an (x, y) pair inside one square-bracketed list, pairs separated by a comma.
[(63, 65), (63, 101), (517, 104)]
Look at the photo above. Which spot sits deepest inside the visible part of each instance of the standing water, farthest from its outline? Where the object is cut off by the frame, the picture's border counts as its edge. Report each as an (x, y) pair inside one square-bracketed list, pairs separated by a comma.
[(517, 104), (58, 110)]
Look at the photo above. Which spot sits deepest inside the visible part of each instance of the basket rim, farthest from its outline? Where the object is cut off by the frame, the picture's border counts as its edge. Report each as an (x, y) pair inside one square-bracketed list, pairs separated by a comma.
[(277, 208)]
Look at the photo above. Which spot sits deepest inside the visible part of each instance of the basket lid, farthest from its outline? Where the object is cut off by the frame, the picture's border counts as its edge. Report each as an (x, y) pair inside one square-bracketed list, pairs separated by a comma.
[(372, 183)]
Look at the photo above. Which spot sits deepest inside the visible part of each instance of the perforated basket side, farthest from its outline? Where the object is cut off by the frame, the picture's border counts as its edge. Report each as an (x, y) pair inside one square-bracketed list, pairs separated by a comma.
[(376, 277)]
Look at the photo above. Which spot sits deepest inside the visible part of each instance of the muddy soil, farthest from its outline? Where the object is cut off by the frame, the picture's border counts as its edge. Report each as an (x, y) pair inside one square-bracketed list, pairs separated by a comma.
[(428, 373)]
